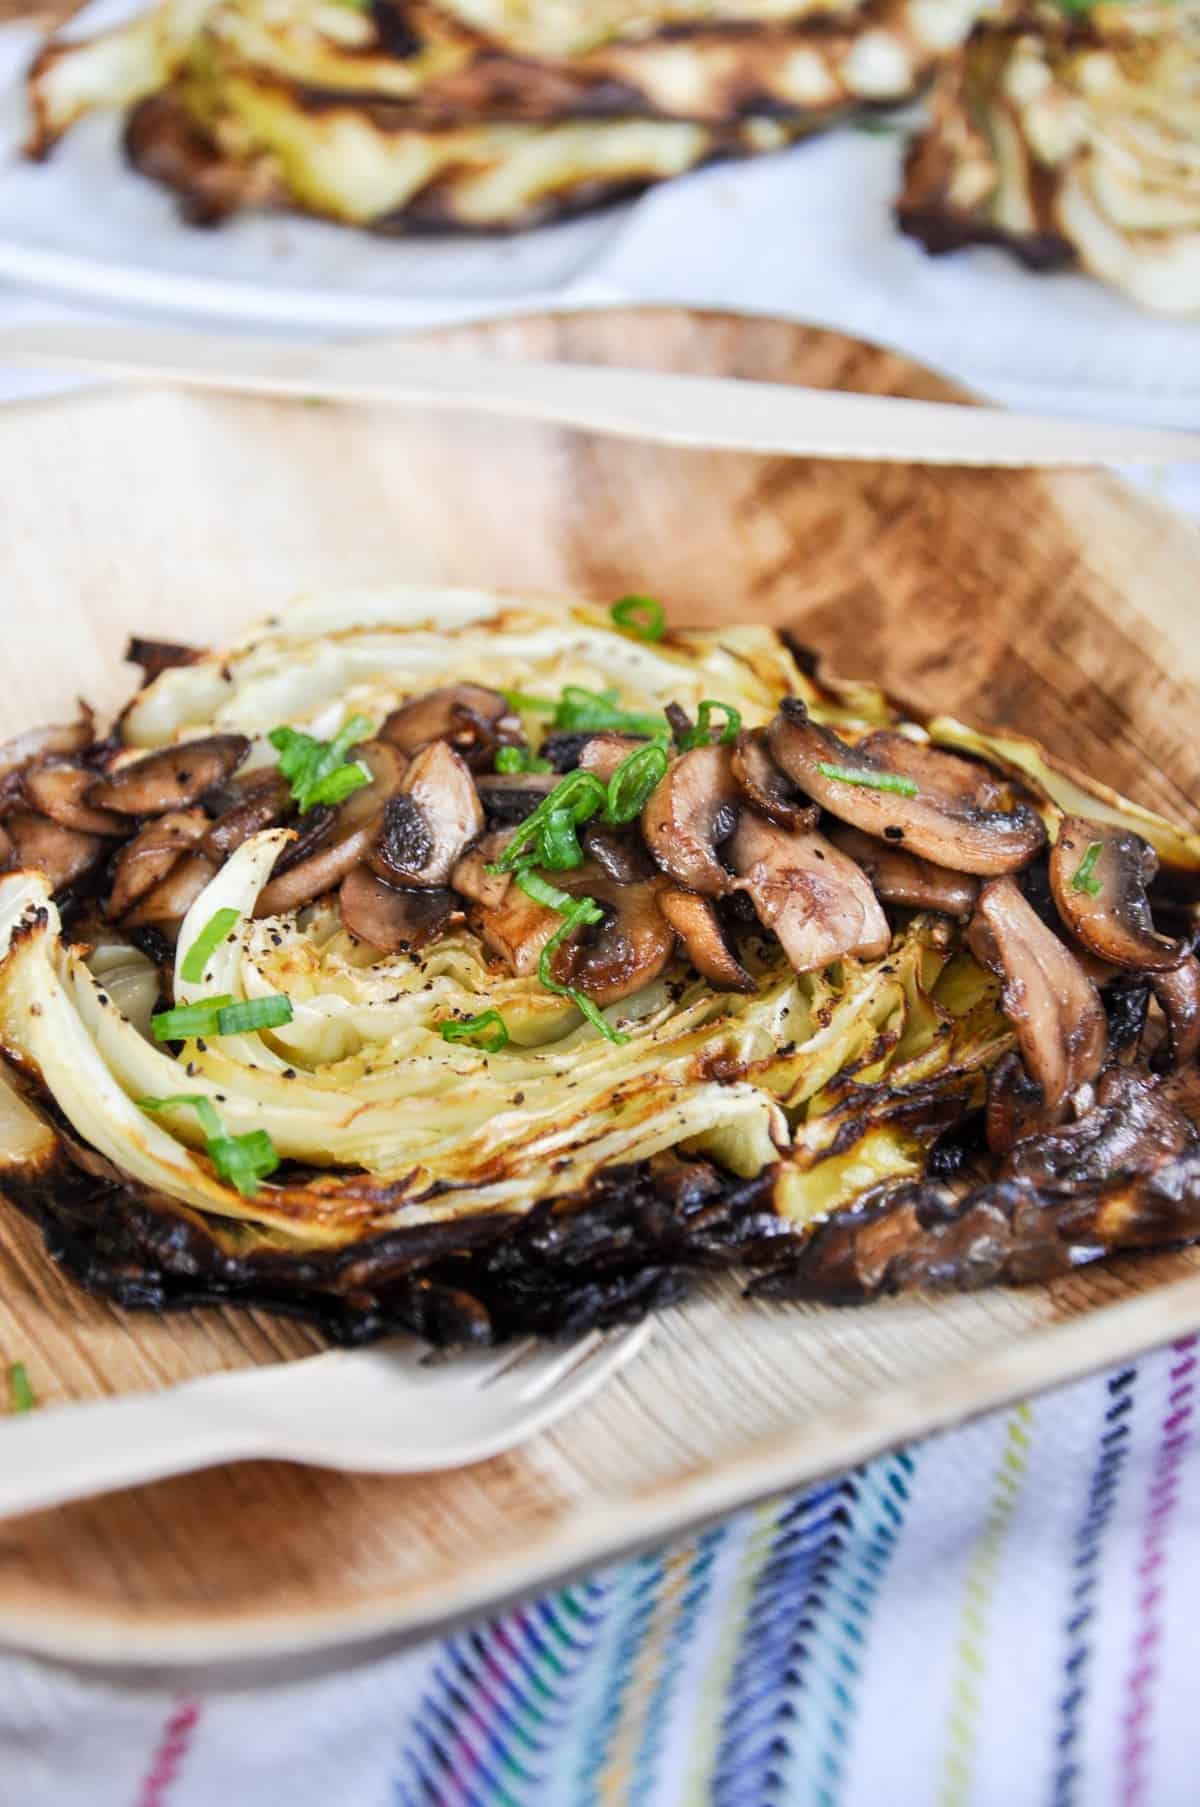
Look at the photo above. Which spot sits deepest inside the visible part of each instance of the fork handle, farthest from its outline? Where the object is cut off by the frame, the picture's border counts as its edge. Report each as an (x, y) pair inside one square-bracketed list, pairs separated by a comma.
[(68, 1452)]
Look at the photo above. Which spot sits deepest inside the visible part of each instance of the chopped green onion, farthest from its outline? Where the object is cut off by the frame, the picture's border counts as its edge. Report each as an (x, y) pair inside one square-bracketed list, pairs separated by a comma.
[(520, 759), (1083, 879), (488, 1029), (598, 712), (214, 930), (640, 615), (241, 1160), (701, 734), (20, 1393), (543, 892), (221, 1016), (558, 844), (872, 781), (578, 796), (582, 910), (187, 1020), (254, 1013), (523, 703), (638, 775), (316, 769)]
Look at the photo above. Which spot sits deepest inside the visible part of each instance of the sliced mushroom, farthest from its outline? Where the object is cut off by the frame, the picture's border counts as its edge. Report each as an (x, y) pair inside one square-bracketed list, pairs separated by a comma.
[(763, 784), (63, 854), (393, 920), (157, 656), (56, 789), (689, 814), (471, 878), (514, 926), (943, 822), (931, 768), (173, 896), (1047, 997), (146, 860), (430, 823), (818, 902), (1109, 911), (601, 754), (62, 739), (1178, 995), (695, 920), (901, 878), (355, 825), (620, 854), (511, 796), (264, 802), (469, 717), (170, 778), (6, 850), (627, 950)]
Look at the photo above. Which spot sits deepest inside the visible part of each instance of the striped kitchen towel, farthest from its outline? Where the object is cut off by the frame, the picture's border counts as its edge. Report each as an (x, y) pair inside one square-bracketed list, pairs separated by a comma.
[(1001, 1617)]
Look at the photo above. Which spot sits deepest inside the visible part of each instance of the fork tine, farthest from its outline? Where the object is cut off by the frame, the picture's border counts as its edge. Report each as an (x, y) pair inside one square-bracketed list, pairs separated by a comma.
[(555, 1366)]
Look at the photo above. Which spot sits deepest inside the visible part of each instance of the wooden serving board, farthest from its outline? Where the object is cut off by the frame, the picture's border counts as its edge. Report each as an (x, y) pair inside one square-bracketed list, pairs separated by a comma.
[(1058, 604)]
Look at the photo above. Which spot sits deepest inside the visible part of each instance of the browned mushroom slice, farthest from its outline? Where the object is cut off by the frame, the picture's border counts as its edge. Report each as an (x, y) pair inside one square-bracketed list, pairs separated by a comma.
[(603, 753), (627, 950), (173, 896), (170, 778), (1047, 997), (513, 925), (902, 878), (56, 788), (430, 823), (471, 878), (157, 656), (265, 801), (355, 826), (689, 814), (63, 854), (394, 921), (511, 796), (931, 768), (146, 860), (1178, 995), (698, 926), (619, 853), (60, 740), (1099, 876), (6, 850), (763, 784), (818, 902), (942, 822), (472, 719)]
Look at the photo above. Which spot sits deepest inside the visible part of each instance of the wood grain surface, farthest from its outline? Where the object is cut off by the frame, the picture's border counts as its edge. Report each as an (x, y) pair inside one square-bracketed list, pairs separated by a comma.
[(1059, 604)]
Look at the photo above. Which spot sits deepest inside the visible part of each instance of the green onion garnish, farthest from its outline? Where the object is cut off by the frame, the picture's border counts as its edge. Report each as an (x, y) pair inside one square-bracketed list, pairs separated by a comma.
[(221, 1016), (597, 711), (871, 781), (577, 912), (701, 734), (20, 1393), (543, 892), (520, 759), (523, 703), (214, 930), (574, 800), (558, 842), (488, 1030), (629, 788), (187, 1020), (640, 615), (241, 1160), (1083, 879), (316, 769)]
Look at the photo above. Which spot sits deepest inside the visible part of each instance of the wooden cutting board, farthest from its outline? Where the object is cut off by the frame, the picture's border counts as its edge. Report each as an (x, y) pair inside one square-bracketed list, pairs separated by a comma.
[(1059, 604)]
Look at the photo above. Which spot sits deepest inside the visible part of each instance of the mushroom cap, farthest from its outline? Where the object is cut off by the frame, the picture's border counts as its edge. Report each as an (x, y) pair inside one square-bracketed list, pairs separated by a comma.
[(391, 919), (629, 948), (818, 902), (695, 921), (1177, 993), (471, 718), (688, 814), (57, 787), (1048, 998), (763, 784), (173, 896), (943, 822), (169, 779), (355, 824), (601, 754), (63, 854), (146, 860), (430, 822), (1113, 921), (902, 878)]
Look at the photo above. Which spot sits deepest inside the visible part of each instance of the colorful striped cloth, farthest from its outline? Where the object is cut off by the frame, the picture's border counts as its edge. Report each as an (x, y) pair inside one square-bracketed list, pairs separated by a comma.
[(1002, 1617)]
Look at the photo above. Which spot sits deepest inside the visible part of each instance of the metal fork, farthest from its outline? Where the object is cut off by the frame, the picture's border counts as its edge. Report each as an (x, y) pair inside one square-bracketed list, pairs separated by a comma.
[(383, 1411)]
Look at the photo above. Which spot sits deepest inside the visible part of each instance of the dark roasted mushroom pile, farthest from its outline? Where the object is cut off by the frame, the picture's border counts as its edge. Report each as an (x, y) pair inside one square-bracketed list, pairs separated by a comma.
[(529, 968)]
